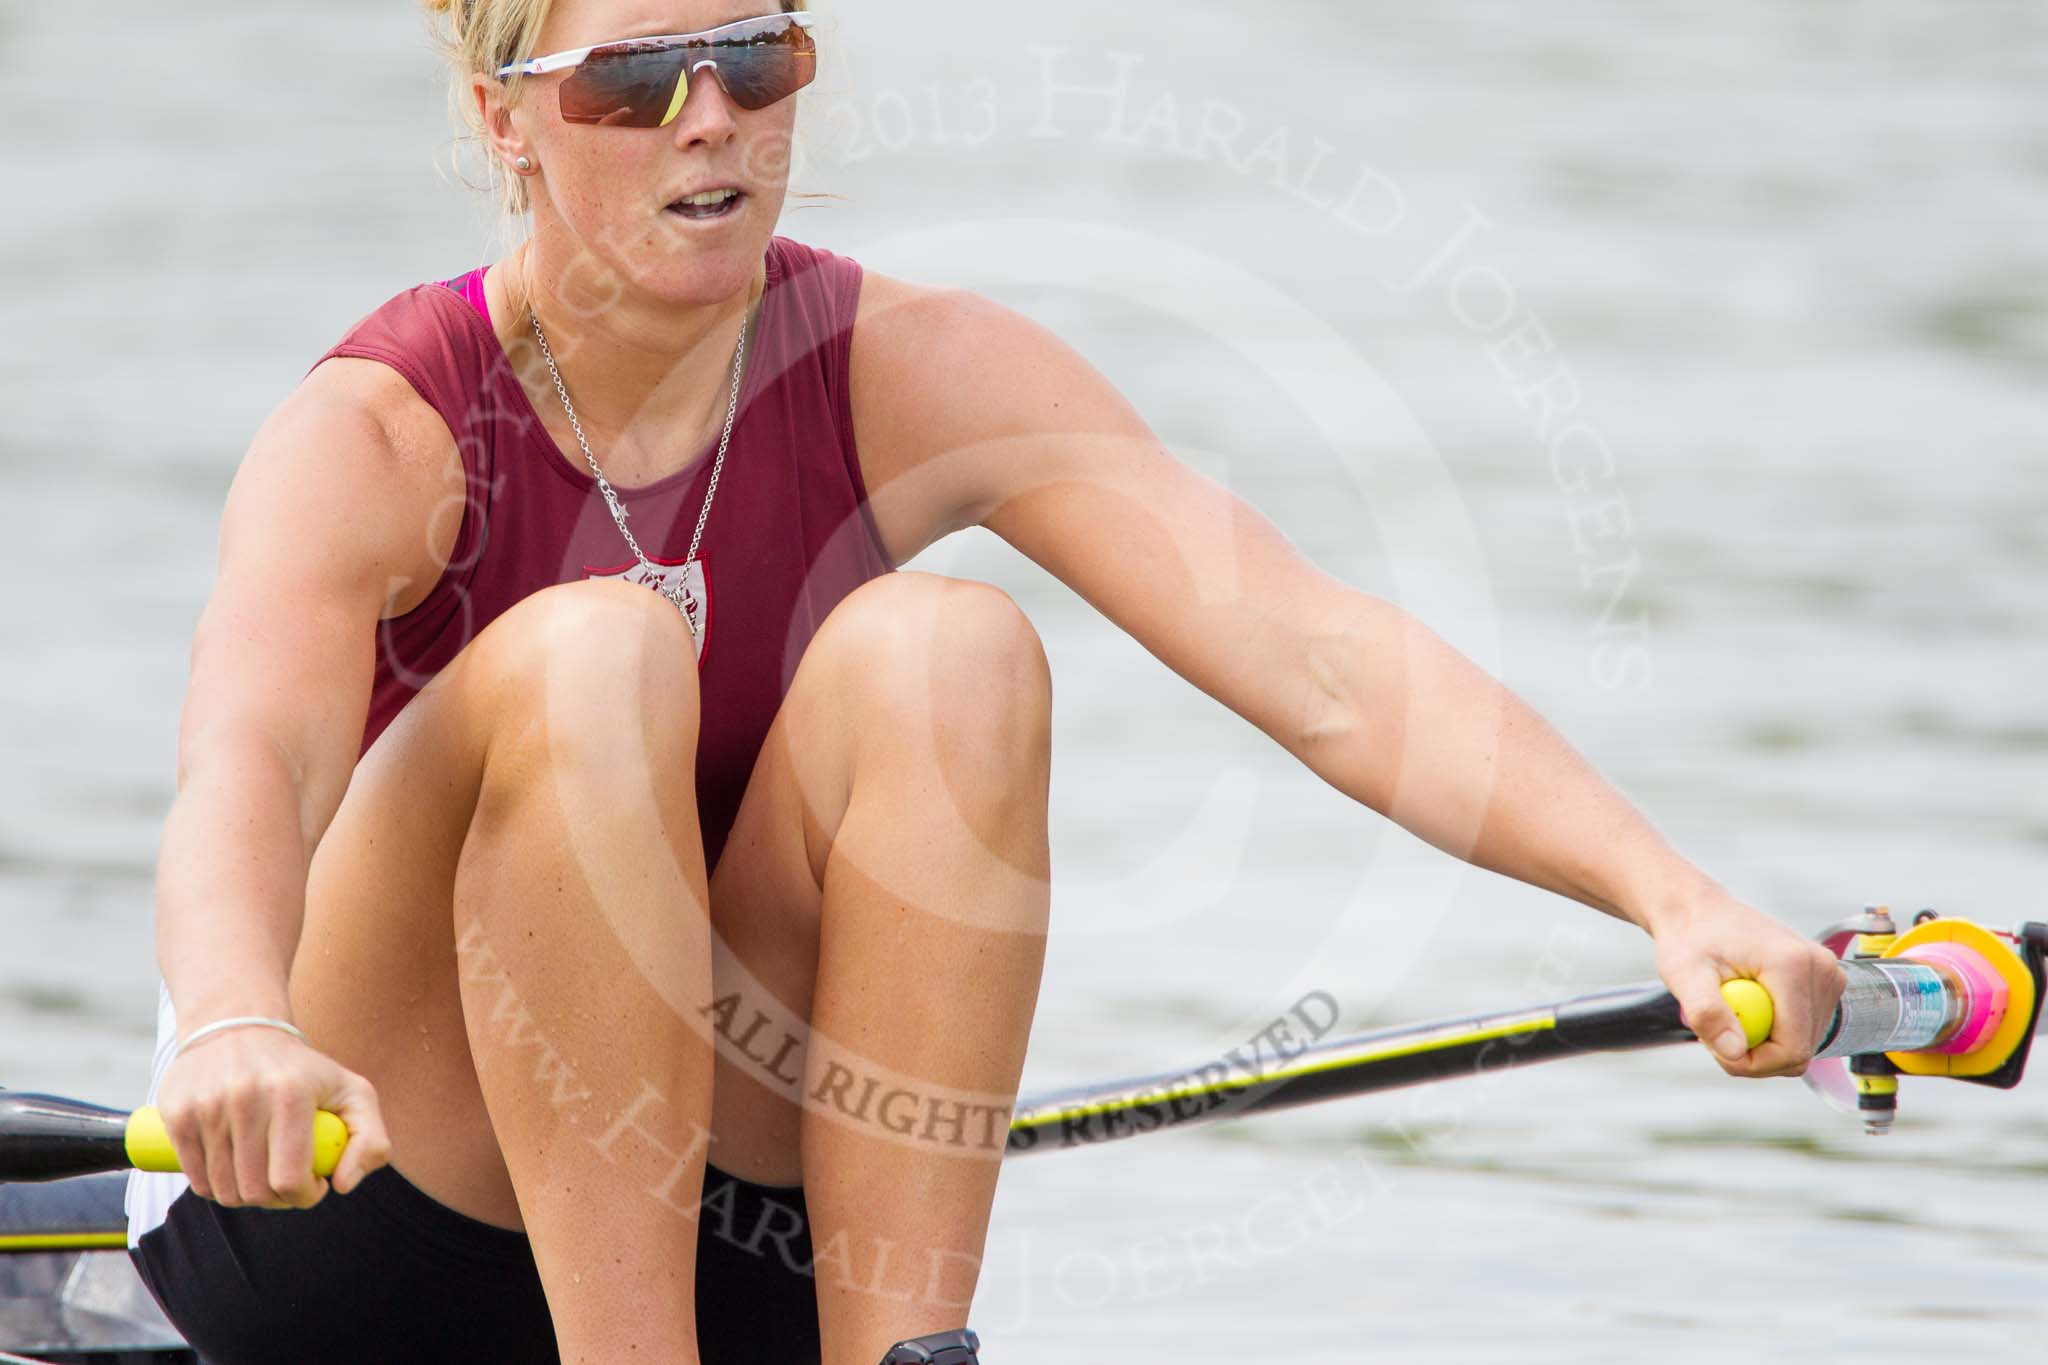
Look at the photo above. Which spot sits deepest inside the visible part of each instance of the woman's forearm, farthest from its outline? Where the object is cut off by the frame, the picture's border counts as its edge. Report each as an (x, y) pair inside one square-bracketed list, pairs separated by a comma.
[(231, 879), (1406, 724)]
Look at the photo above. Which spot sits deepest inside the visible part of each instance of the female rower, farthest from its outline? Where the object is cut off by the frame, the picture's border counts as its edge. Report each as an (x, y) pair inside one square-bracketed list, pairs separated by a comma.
[(671, 954)]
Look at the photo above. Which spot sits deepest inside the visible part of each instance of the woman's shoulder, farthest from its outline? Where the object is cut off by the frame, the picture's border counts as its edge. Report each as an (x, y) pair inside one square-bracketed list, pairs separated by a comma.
[(409, 369), (817, 293), (351, 468), (959, 389), (416, 305), (924, 349), (790, 259), (380, 408), (373, 403), (429, 333)]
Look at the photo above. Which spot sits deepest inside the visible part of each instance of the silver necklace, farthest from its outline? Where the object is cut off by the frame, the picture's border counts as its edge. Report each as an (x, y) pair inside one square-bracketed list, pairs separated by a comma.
[(678, 592)]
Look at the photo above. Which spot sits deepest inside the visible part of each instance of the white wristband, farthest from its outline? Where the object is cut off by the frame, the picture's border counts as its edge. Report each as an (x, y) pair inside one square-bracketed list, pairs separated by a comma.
[(240, 1021)]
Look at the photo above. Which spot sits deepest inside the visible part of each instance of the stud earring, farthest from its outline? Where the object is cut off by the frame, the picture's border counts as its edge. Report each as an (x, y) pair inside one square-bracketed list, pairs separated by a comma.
[(523, 165)]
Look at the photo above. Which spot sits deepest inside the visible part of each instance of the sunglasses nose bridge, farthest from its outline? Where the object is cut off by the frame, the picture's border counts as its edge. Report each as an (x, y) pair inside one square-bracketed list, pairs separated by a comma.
[(685, 80)]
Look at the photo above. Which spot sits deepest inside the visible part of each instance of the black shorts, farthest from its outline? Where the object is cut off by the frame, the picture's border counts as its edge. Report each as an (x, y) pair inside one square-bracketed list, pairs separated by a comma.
[(388, 1274)]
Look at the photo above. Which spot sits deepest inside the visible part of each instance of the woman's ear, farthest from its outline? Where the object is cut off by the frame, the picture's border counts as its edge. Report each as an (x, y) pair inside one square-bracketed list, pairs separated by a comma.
[(501, 131)]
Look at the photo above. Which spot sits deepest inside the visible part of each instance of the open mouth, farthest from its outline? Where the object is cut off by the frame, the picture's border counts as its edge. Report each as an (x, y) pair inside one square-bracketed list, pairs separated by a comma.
[(710, 205)]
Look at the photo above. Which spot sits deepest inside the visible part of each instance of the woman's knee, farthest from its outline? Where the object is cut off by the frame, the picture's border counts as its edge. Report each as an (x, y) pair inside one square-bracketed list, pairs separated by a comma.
[(957, 660), (593, 672)]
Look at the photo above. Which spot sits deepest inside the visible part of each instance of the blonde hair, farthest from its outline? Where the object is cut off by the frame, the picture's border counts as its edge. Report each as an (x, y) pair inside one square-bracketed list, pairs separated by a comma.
[(481, 37)]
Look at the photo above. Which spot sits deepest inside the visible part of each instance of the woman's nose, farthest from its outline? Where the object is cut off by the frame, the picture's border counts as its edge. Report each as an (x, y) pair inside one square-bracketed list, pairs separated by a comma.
[(706, 110)]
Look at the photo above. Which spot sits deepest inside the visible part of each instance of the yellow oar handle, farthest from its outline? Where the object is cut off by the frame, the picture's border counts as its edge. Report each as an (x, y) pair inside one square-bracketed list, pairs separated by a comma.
[(1752, 1006), (149, 1146)]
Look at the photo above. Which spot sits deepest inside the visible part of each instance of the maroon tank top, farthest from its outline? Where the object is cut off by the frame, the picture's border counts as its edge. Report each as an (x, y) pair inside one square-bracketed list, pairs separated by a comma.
[(789, 535)]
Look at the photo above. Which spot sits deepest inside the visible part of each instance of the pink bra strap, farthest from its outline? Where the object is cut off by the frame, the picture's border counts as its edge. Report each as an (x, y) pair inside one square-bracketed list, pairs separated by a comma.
[(471, 287)]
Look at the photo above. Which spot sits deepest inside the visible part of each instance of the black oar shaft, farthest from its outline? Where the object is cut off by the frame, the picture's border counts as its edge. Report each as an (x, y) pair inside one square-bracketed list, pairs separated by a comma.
[(46, 1138), (1385, 1059)]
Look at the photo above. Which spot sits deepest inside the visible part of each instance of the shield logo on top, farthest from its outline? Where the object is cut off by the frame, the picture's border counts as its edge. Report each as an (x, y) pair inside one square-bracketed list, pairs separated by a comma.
[(665, 573)]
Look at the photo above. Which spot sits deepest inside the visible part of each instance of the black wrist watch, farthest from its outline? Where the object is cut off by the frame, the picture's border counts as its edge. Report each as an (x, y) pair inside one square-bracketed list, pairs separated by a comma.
[(941, 1348)]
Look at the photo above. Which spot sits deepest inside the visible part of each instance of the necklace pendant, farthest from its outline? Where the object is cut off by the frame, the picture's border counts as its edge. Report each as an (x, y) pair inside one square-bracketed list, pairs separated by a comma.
[(678, 592)]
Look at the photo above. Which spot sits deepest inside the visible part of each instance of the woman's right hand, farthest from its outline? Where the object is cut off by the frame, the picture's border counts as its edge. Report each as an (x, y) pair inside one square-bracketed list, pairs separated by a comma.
[(239, 1110)]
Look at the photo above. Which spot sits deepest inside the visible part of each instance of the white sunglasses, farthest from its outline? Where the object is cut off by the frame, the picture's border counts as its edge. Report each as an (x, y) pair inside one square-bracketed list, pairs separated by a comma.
[(643, 82)]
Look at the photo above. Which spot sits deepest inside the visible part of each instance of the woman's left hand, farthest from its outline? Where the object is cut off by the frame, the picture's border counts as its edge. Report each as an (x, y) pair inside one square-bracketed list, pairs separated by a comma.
[(1716, 938)]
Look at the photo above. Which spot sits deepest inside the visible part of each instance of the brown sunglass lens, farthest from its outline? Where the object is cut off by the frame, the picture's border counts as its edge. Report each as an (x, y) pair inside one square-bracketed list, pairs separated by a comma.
[(625, 88), (769, 69)]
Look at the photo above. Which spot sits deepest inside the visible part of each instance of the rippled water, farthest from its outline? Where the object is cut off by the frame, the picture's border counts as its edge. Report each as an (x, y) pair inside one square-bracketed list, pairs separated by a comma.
[(1790, 261)]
